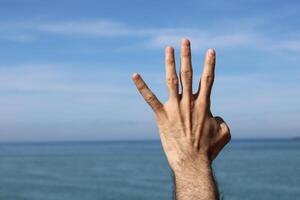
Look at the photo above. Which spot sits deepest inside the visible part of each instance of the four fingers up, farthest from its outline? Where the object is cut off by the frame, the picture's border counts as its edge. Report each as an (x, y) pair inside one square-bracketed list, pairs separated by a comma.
[(186, 78)]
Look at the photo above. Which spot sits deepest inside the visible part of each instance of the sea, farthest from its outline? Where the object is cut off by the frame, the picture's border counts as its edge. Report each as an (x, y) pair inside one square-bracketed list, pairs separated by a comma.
[(256, 169)]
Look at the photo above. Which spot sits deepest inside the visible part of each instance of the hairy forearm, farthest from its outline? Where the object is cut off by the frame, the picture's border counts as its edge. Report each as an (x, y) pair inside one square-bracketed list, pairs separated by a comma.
[(196, 184)]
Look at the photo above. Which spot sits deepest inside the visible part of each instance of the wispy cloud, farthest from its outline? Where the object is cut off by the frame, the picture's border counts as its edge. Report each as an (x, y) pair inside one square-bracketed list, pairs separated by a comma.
[(18, 38), (247, 102), (204, 39), (250, 33), (41, 78), (154, 37), (99, 28), (291, 46)]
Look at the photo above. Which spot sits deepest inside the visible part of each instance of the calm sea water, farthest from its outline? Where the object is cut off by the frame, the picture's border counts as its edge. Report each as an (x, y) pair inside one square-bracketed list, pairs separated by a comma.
[(256, 169)]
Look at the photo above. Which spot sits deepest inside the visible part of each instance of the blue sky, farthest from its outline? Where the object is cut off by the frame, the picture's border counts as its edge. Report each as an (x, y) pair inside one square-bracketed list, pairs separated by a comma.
[(65, 66)]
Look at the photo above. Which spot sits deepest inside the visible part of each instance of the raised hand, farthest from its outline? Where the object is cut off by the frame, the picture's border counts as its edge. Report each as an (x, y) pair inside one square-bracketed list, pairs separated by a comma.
[(190, 135)]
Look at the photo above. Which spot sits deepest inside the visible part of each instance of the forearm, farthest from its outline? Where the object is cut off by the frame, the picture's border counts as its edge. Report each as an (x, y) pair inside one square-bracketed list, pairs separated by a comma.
[(196, 184)]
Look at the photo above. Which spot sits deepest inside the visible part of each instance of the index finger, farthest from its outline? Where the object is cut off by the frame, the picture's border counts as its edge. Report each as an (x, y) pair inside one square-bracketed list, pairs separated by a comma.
[(148, 95)]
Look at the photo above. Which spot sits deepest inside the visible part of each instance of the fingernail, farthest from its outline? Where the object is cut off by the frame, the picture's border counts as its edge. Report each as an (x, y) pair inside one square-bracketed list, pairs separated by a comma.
[(185, 42), (134, 75), (211, 52), (169, 49)]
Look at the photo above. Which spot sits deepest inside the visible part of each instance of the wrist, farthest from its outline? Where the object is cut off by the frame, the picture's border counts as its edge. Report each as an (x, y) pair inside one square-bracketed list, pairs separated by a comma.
[(197, 181), (193, 170)]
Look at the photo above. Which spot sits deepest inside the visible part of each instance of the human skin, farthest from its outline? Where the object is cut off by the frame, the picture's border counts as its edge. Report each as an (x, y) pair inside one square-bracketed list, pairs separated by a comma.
[(191, 137)]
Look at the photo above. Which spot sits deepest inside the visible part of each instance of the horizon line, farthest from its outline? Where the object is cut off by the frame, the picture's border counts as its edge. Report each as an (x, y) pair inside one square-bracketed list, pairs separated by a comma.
[(296, 138)]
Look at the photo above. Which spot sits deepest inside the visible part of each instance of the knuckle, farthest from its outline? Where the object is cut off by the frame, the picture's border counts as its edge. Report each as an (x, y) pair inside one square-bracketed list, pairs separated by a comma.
[(207, 78), (158, 109), (170, 61), (186, 53), (150, 98), (172, 80), (226, 134), (187, 72), (212, 62), (141, 86)]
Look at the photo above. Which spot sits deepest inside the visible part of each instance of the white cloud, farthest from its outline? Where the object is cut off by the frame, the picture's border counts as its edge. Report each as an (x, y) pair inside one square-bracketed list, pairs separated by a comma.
[(156, 37), (204, 39), (291, 46), (101, 28), (57, 79), (18, 38), (250, 103), (225, 34)]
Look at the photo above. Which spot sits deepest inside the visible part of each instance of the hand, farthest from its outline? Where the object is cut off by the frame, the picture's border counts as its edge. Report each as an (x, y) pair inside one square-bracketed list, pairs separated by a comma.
[(190, 135)]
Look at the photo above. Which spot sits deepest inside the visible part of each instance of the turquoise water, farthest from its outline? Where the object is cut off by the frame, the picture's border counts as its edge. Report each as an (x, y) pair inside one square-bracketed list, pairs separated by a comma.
[(248, 169)]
